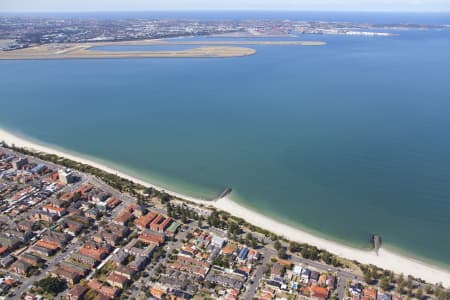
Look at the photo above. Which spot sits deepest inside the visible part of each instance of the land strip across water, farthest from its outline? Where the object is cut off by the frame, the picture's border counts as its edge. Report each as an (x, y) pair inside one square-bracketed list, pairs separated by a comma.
[(200, 49)]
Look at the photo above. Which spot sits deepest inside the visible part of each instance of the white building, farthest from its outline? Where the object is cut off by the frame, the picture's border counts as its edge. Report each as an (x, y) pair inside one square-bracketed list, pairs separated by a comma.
[(218, 241), (66, 176)]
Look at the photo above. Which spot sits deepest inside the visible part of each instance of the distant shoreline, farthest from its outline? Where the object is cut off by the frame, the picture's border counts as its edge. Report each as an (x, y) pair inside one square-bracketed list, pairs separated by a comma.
[(205, 49), (386, 259)]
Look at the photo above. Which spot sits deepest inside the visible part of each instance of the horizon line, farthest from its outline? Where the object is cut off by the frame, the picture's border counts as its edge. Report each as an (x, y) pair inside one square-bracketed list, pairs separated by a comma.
[(287, 10)]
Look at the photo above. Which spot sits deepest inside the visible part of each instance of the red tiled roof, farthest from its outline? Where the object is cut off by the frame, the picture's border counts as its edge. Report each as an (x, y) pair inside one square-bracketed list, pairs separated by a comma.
[(47, 245), (371, 294), (152, 237), (117, 278), (229, 249), (319, 292), (96, 253), (3, 250), (145, 220), (67, 196), (124, 217), (50, 207)]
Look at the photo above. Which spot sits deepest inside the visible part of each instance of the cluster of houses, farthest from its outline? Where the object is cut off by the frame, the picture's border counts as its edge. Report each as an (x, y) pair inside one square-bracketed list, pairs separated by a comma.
[(80, 263), (108, 243), (118, 252), (27, 190), (25, 184), (206, 259), (302, 282), (54, 220), (149, 221), (233, 268), (357, 291), (5, 284)]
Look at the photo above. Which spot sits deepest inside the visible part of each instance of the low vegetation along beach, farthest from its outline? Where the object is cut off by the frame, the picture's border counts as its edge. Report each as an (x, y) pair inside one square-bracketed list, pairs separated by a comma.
[(201, 49), (385, 259)]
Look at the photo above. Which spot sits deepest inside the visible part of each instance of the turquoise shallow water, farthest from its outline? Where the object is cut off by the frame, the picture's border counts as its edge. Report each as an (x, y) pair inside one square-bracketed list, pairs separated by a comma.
[(347, 139)]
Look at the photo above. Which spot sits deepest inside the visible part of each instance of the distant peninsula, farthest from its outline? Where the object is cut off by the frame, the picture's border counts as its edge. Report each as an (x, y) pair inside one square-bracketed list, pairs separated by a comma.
[(200, 49)]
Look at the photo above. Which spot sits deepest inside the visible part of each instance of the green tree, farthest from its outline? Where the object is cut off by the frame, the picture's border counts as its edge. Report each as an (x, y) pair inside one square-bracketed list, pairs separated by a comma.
[(437, 291), (169, 209), (165, 198), (221, 261), (409, 283), (294, 247), (327, 257), (214, 219), (233, 229), (183, 218), (367, 277), (282, 253), (444, 295), (51, 285), (277, 245), (419, 294), (385, 284), (249, 237), (401, 287)]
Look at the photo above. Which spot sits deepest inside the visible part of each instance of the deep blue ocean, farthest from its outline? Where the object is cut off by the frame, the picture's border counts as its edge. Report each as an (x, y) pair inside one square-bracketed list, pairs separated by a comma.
[(344, 140)]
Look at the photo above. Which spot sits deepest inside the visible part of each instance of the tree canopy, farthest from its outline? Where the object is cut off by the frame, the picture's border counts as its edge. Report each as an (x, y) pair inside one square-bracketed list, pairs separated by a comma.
[(51, 285)]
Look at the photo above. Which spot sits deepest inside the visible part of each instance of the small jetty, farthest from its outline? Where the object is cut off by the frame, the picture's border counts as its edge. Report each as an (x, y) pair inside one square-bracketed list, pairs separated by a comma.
[(223, 194), (376, 241)]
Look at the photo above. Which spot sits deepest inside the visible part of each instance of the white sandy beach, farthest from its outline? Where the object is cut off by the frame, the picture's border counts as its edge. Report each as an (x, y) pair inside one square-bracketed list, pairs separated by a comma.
[(386, 259)]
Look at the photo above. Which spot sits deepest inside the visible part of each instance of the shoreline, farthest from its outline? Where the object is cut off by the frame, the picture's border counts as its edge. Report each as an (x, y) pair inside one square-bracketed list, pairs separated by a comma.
[(385, 259), (44, 52), (202, 49)]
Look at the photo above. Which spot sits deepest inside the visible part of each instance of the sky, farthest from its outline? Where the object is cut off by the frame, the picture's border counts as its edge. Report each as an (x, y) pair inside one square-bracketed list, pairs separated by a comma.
[(154, 5)]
